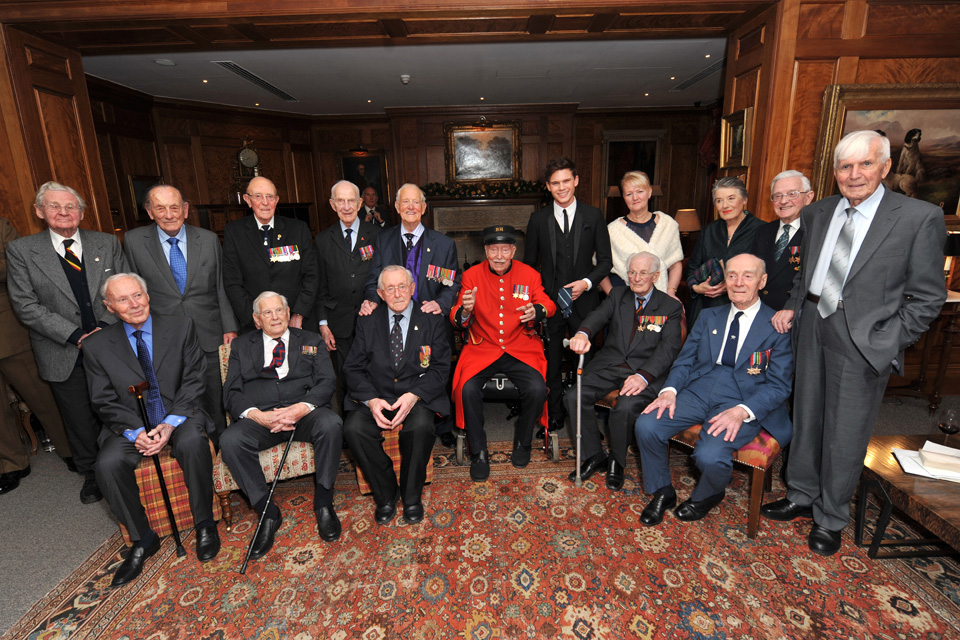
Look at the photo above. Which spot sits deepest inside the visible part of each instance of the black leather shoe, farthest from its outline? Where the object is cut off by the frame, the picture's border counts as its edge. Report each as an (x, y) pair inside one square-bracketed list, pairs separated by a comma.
[(71, 466), (264, 540), (823, 541), (590, 466), (384, 513), (133, 564), (480, 466), (663, 499), (539, 433), (90, 492), (328, 524), (448, 440), (614, 476), (413, 513), (9, 481), (785, 510), (520, 456), (688, 511), (208, 543)]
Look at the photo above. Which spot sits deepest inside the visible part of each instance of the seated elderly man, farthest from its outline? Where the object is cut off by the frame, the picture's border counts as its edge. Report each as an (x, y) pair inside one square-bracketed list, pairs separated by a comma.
[(396, 378), (280, 379), (500, 300), (165, 351), (734, 376), (642, 342)]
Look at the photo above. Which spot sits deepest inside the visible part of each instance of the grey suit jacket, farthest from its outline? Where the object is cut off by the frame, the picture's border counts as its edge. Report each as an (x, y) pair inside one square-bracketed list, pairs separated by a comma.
[(43, 300), (204, 298), (895, 287)]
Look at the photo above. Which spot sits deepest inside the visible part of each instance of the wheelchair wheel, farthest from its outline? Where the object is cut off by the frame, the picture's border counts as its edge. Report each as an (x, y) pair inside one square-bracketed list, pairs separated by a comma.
[(554, 447), (461, 440)]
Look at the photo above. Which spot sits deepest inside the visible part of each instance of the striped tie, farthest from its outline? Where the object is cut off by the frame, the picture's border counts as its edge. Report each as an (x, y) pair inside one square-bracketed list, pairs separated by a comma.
[(70, 256), (782, 242), (837, 273), (279, 352)]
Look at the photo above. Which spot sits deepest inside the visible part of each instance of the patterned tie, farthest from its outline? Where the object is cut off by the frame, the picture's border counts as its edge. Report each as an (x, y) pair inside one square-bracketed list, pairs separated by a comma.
[(641, 303), (410, 262), (782, 242), (729, 357), (396, 340), (178, 264), (70, 256), (279, 352), (155, 409), (566, 223), (266, 235), (837, 273), (409, 237), (565, 302), (346, 237)]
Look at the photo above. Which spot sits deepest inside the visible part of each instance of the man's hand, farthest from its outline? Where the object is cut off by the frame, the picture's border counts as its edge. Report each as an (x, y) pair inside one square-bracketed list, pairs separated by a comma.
[(328, 338), (578, 286), (403, 405), (667, 400), (150, 443), (288, 417), (377, 406), (528, 312), (782, 320), (469, 300), (431, 306), (705, 289), (580, 343), (296, 321), (229, 337), (368, 217), (367, 307), (634, 385), (273, 420), (80, 340), (728, 421)]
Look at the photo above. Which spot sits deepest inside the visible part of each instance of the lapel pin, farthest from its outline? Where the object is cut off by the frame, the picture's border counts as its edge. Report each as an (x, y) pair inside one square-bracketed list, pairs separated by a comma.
[(279, 236), (714, 332), (97, 259), (416, 328)]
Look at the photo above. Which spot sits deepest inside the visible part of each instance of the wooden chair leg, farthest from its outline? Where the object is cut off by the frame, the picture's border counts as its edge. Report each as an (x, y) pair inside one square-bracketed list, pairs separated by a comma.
[(224, 497), (756, 498), (768, 479)]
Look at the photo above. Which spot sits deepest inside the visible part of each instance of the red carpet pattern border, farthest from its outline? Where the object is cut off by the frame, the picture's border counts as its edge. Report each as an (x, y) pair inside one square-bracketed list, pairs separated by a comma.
[(525, 555)]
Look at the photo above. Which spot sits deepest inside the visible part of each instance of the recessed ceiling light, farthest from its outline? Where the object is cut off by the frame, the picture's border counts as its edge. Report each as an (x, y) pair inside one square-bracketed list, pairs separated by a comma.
[(707, 56), (481, 97), (646, 94), (204, 82), (369, 101), (256, 104), (163, 62), (673, 77)]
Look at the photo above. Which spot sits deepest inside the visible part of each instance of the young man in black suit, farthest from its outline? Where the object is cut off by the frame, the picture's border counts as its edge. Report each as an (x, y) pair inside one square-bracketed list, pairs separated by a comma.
[(563, 239)]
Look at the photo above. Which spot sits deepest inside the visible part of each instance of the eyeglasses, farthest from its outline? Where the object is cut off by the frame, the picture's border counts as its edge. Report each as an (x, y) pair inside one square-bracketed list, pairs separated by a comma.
[(56, 208), (265, 197), (340, 202), (402, 288), (272, 313), (641, 274), (789, 195)]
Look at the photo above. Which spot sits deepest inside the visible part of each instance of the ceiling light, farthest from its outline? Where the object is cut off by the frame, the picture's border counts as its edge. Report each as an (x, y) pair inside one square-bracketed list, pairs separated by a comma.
[(481, 97), (163, 62), (673, 77), (707, 56), (204, 82), (646, 94), (369, 101), (256, 104)]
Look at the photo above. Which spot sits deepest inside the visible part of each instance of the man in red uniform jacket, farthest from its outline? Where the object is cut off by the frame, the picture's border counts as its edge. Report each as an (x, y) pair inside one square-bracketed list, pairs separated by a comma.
[(498, 304)]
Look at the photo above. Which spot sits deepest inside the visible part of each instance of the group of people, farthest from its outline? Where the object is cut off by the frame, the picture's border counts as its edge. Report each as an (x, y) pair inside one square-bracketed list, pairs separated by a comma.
[(830, 295)]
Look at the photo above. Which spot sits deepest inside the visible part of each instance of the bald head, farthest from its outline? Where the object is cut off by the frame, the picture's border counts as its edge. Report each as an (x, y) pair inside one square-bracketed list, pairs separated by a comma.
[(261, 196)]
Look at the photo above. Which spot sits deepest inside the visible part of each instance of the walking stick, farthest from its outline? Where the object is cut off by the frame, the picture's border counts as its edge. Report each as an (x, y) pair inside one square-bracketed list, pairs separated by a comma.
[(137, 390), (283, 460), (579, 481)]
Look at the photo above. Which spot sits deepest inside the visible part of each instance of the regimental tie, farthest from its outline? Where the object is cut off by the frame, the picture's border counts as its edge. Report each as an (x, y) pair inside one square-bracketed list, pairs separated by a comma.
[(729, 357), (837, 273), (266, 235), (346, 237), (641, 303), (782, 242), (396, 340), (565, 302), (409, 237), (155, 409), (70, 256), (279, 353), (178, 264)]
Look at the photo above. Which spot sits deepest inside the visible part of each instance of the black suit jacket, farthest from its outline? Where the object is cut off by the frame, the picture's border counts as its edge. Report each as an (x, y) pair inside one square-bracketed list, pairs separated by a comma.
[(590, 237), (385, 215), (369, 370), (343, 276), (247, 270), (111, 366), (780, 273), (310, 378), (650, 353)]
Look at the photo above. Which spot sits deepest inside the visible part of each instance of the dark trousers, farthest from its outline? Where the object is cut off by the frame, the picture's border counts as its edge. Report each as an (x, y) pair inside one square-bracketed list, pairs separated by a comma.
[(79, 418), (118, 460), (837, 400), (416, 440), (337, 358), (708, 396), (242, 442), (594, 385), (556, 331), (533, 393), (213, 396)]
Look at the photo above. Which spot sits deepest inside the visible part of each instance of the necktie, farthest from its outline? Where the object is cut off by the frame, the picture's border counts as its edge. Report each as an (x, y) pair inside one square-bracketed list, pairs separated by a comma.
[(565, 302), (70, 256), (279, 352), (641, 303), (396, 340), (566, 223), (155, 409), (266, 235), (782, 242), (837, 273), (347, 238), (410, 261), (178, 264), (409, 237), (729, 357)]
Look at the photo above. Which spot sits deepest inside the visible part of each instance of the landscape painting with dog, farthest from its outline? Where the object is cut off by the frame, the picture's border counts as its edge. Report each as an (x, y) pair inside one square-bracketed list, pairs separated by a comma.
[(924, 148)]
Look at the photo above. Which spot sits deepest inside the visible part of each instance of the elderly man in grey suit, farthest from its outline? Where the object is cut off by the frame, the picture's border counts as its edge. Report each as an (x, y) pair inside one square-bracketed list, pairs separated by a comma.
[(182, 265), (870, 284), (54, 279)]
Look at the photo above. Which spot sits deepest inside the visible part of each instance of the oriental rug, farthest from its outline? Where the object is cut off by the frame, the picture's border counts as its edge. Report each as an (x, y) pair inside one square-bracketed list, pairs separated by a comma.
[(525, 555)]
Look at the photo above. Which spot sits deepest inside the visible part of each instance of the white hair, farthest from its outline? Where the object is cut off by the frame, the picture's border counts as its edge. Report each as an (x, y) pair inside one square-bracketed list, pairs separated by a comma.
[(268, 294), (333, 189), (856, 145), (654, 259), (791, 173), (117, 276), (390, 269), (410, 185), (56, 186)]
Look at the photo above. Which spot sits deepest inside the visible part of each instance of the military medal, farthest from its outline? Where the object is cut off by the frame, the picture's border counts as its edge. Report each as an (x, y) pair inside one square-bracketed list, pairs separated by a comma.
[(366, 253), (308, 350), (288, 253), (424, 356), (756, 359)]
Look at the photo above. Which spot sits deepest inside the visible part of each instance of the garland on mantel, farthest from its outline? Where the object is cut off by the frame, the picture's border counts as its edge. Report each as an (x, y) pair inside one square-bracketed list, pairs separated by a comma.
[(476, 190)]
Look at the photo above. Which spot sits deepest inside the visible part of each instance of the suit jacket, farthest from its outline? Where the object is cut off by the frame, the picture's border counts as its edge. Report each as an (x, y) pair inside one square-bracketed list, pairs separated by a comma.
[(780, 273), (765, 392), (203, 299), (310, 377), (14, 338), (385, 215), (424, 369), (111, 366), (43, 300), (590, 237), (248, 272), (438, 250), (650, 353), (895, 286), (343, 276)]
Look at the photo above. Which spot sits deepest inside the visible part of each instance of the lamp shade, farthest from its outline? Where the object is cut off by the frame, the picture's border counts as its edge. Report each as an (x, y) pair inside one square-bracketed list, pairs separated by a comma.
[(688, 220)]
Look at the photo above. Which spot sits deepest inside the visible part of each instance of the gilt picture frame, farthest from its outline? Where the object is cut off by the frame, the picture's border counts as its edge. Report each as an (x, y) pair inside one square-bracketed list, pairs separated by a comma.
[(482, 152)]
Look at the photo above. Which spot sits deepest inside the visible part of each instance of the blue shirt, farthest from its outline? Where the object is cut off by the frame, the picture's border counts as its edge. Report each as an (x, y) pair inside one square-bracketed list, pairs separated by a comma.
[(353, 236), (181, 236), (404, 322), (147, 335)]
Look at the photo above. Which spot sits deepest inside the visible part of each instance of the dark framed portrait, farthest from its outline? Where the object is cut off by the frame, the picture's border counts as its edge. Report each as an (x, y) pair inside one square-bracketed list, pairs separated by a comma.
[(366, 169), (736, 137), (139, 185)]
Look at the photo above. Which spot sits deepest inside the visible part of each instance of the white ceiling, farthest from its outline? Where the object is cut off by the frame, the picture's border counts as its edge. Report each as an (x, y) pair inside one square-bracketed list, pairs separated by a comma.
[(595, 74)]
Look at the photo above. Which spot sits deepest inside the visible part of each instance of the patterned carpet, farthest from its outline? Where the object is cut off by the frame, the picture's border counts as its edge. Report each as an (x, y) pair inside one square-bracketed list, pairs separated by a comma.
[(525, 555)]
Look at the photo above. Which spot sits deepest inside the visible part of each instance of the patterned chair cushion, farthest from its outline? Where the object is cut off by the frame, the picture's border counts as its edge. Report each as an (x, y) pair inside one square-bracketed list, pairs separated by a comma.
[(300, 462), (391, 445), (759, 453)]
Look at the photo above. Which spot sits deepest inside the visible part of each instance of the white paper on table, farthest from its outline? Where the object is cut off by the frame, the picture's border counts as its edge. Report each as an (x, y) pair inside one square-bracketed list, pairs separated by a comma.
[(910, 462)]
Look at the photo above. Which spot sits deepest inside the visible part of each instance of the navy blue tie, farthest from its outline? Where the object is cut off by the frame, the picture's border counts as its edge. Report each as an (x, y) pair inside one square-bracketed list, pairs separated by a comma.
[(178, 264), (155, 409), (729, 357)]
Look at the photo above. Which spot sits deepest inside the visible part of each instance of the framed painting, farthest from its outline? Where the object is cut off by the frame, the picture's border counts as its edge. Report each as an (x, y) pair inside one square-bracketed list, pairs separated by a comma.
[(624, 151), (139, 185), (736, 136), (367, 169), (922, 122), (482, 152)]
